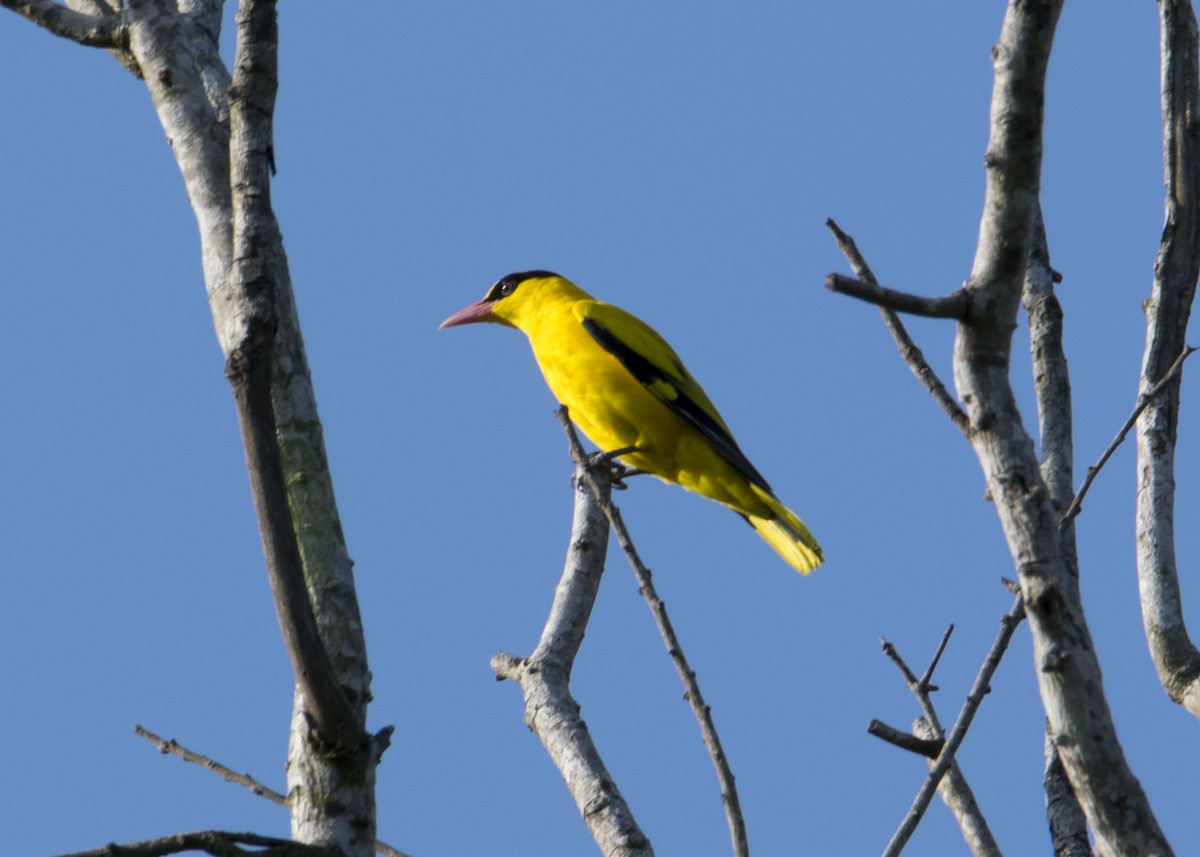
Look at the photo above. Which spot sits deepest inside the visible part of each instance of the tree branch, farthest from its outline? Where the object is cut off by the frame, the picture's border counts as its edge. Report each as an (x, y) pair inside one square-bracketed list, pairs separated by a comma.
[(1145, 400), (550, 710), (928, 739), (956, 793), (253, 280), (927, 747), (215, 842), (1168, 311), (955, 305), (691, 688), (96, 31), (945, 760), (908, 350), (1052, 386), (1052, 381), (1068, 670), (172, 747)]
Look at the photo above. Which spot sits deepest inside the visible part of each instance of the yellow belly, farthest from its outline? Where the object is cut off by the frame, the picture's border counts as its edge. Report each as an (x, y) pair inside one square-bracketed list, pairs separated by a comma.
[(615, 411)]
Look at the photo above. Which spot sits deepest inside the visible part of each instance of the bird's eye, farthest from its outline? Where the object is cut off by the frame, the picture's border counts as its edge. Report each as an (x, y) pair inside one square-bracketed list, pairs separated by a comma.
[(507, 288)]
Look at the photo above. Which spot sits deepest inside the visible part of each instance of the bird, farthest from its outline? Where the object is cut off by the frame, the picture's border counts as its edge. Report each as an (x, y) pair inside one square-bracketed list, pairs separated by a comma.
[(629, 392)]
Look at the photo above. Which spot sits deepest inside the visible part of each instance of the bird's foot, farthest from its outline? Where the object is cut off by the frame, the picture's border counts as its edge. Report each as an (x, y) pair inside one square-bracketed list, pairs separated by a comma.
[(616, 472)]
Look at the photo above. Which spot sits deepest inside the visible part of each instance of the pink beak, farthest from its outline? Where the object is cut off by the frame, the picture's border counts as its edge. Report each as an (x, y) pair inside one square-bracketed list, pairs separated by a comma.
[(479, 311)]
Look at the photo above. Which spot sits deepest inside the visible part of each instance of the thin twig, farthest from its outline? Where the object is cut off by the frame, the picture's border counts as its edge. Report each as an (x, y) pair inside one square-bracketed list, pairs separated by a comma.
[(928, 739), (927, 676), (909, 352), (218, 843), (927, 747), (1144, 402), (955, 305), (703, 712), (169, 746), (921, 687), (945, 759)]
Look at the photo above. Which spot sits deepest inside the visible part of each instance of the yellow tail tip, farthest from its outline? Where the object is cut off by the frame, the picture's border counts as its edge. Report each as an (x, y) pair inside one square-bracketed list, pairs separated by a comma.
[(788, 535)]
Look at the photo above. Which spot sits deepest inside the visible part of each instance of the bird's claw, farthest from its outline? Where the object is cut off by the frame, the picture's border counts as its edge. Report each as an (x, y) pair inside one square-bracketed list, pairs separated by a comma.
[(616, 472)]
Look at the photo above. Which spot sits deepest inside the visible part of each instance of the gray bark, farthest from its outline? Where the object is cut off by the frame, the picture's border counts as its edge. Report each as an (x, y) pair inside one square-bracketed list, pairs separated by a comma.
[(1069, 678), (1167, 313), (174, 49), (551, 712)]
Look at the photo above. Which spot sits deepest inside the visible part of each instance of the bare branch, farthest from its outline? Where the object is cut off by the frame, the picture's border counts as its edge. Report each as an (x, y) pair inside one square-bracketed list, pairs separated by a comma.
[(927, 747), (703, 712), (215, 842), (97, 31), (928, 739), (550, 710), (925, 683), (945, 760), (1145, 400), (172, 747), (1068, 670), (254, 280), (1052, 381), (956, 793), (1168, 312), (921, 687), (911, 354), (955, 305)]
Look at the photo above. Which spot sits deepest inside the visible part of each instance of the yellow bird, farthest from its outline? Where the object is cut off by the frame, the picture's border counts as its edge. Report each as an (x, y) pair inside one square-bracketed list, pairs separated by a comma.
[(624, 386)]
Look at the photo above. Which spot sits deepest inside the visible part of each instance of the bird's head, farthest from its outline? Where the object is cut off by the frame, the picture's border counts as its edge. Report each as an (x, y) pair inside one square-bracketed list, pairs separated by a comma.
[(515, 298)]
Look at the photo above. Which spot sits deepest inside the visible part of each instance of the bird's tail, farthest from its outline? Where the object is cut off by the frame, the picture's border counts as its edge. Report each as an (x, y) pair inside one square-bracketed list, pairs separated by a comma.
[(787, 534)]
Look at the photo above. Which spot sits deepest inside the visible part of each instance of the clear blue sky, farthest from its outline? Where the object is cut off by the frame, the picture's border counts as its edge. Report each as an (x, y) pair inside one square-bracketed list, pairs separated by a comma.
[(679, 162)]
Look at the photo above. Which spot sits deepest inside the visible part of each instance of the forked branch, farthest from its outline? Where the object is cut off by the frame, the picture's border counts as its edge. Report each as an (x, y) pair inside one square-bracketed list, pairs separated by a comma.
[(708, 729), (551, 712), (911, 354), (945, 760)]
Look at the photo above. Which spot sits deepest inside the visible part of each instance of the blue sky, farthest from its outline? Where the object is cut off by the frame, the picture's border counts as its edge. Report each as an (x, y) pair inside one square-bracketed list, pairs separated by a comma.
[(677, 162)]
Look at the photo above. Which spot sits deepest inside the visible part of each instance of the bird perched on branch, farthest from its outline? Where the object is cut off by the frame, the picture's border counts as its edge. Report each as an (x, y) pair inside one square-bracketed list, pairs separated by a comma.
[(625, 387)]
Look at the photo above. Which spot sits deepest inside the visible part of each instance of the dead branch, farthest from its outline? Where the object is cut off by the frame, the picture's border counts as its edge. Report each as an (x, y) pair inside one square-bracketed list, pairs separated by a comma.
[(1145, 400), (927, 747), (1168, 311), (911, 354), (956, 793), (172, 747), (215, 842), (551, 712), (956, 305), (945, 759), (336, 723), (169, 746), (691, 688)]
